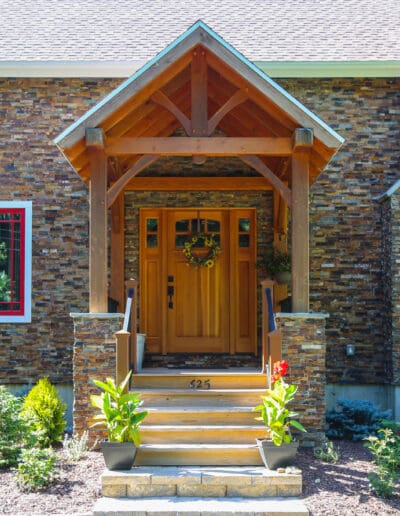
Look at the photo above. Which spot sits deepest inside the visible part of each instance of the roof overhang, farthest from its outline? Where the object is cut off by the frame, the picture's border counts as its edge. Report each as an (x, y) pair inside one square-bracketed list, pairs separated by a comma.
[(267, 109)]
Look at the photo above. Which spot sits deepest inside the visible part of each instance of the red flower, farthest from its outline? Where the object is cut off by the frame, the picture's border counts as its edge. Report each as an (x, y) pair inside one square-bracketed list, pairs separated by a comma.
[(279, 369)]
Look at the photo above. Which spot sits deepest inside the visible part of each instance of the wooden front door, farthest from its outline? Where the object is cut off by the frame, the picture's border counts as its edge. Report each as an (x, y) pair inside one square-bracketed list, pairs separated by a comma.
[(187, 309), (198, 311)]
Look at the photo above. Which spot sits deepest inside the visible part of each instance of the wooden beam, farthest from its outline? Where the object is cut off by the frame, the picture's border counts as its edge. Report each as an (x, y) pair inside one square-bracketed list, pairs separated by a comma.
[(303, 138), (117, 187), (98, 222), (159, 98), (182, 146), (237, 98), (300, 230), (182, 184), (261, 167)]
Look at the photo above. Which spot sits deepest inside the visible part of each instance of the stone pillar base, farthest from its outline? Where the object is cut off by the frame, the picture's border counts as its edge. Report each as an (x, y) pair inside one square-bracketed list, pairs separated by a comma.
[(93, 358), (304, 348)]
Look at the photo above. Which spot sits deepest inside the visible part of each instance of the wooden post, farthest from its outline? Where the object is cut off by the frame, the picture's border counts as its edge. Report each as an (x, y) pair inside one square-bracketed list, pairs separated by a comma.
[(122, 355), (117, 248), (98, 222), (132, 283), (302, 143)]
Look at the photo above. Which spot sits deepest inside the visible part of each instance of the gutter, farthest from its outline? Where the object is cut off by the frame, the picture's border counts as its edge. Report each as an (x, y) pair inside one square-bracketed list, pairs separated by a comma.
[(124, 69)]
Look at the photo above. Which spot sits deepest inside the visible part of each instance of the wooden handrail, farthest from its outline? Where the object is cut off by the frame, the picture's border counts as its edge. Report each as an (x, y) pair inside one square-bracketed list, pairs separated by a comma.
[(131, 288), (122, 355), (271, 337)]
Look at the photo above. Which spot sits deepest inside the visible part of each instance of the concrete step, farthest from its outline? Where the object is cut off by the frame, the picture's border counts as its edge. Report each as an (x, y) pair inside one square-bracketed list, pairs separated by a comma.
[(197, 481), (210, 415), (198, 454), (198, 398), (203, 507), (218, 434), (199, 380)]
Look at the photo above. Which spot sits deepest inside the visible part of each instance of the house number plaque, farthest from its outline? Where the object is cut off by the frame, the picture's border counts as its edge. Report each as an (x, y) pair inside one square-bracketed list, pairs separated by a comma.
[(200, 384)]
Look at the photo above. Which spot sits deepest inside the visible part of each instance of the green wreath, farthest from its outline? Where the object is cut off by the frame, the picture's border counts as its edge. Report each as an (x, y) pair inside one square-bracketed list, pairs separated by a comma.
[(205, 241)]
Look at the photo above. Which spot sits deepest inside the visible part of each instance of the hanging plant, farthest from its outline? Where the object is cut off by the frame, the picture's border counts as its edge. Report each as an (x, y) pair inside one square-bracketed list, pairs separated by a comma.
[(201, 240)]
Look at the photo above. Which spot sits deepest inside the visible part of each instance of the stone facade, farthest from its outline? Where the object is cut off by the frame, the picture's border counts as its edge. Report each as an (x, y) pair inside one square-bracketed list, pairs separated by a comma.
[(346, 279), (390, 205), (93, 358), (304, 348)]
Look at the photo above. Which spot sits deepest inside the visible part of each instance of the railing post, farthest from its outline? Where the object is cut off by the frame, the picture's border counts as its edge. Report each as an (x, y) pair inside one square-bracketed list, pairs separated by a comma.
[(133, 284), (122, 355), (265, 321)]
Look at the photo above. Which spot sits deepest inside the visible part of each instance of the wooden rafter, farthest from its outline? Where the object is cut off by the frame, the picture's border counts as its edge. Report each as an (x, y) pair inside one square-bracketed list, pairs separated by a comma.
[(182, 146), (261, 167)]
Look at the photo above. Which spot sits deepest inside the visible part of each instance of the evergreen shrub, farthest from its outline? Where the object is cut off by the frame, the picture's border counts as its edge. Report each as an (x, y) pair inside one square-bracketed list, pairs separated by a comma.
[(14, 432), (45, 410), (354, 420)]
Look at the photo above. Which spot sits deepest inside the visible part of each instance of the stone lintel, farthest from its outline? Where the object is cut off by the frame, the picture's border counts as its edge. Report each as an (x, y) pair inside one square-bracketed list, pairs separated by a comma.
[(302, 315), (78, 315)]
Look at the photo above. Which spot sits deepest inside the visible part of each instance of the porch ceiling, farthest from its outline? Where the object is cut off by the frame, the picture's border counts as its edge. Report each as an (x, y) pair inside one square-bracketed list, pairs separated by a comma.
[(158, 101)]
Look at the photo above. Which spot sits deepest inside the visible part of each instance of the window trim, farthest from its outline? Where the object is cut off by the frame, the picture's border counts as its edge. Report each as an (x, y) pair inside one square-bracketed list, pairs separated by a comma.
[(26, 317)]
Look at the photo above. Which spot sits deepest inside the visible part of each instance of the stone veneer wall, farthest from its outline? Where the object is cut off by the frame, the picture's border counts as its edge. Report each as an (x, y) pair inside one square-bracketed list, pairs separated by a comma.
[(93, 358), (345, 220), (390, 206), (304, 348)]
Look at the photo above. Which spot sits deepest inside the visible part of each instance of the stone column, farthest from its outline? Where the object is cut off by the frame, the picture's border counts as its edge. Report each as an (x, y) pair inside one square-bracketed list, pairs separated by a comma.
[(93, 357), (304, 348)]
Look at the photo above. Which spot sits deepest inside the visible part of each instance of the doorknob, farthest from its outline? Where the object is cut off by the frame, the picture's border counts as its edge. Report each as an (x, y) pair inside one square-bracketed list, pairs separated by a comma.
[(170, 294)]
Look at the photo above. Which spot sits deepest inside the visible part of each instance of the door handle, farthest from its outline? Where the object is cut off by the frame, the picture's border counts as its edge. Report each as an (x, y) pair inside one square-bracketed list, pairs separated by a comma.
[(170, 294)]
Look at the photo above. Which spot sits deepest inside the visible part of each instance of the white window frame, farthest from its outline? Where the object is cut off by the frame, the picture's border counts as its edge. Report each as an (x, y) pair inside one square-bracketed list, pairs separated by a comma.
[(27, 316)]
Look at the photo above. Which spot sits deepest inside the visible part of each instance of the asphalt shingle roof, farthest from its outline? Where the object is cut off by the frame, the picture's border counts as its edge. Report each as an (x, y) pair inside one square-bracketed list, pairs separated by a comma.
[(263, 30)]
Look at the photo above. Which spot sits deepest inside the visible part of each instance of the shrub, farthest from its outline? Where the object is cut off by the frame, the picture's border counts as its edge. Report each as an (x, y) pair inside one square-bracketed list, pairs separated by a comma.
[(45, 411), (385, 448), (327, 452), (36, 469), (354, 420), (75, 447), (14, 432)]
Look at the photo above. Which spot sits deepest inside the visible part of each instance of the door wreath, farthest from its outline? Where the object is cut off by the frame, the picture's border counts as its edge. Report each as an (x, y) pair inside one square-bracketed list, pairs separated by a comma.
[(203, 240)]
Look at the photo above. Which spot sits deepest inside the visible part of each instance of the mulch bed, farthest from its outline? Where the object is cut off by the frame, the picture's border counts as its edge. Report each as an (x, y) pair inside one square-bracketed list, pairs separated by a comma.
[(329, 489)]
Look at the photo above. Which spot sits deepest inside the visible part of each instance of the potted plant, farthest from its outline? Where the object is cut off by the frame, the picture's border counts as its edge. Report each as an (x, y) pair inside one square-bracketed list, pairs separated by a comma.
[(280, 448), (118, 413), (277, 265)]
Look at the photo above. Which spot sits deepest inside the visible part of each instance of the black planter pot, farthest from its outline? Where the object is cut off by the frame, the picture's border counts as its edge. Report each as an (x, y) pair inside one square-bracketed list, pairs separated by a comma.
[(118, 455), (277, 456)]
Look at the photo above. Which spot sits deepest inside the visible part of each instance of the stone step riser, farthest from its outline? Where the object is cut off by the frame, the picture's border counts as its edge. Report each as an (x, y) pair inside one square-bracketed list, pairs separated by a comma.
[(199, 381), (204, 507), (163, 435), (201, 482)]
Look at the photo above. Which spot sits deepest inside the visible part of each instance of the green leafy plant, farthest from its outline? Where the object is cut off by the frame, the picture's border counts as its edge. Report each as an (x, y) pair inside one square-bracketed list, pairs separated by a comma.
[(75, 447), (275, 261), (36, 469), (14, 431), (274, 412), (354, 419), (45, 410), (327, 452), (385, 448), (118, 411)]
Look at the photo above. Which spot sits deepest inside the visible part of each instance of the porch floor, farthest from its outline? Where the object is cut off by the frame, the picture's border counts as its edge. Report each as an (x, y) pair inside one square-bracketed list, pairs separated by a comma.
[(202, 361)]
